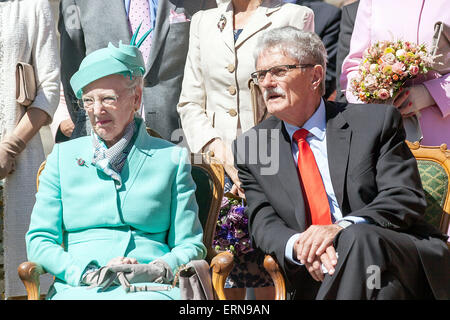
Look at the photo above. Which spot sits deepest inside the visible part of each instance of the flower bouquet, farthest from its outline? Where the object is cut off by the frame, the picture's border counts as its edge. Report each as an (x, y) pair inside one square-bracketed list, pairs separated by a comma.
[(386, 66), (232, 227)]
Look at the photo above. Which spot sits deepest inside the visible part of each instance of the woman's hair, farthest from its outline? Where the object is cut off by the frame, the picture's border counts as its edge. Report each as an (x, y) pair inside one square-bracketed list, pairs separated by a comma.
[(135, 81), (304, 46)]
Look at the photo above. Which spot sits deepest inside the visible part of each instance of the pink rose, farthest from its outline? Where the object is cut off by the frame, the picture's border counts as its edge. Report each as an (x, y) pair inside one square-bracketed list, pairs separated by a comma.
[(383, 94), (413, 70), (370, 82), (398, 68), (388, 58)]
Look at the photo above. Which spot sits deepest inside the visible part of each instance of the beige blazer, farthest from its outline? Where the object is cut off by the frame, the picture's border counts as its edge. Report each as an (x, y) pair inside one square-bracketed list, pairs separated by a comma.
[(215, 100)]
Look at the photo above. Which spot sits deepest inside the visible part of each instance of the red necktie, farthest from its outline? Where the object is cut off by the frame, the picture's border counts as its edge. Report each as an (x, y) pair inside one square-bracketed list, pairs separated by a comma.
[(312, 185)]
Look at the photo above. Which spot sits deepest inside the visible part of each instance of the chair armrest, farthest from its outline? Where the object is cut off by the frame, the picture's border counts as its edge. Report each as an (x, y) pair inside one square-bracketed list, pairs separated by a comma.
[(272, 267), (221, 267), (29, 273)]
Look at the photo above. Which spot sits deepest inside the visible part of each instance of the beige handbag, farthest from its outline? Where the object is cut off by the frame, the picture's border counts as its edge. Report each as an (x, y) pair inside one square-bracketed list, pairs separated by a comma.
[(25, 84), (259, 108), (195, 281), (441, 46)]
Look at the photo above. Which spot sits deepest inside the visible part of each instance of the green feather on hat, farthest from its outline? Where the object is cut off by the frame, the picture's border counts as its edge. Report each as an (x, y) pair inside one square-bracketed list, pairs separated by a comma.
[(125, 59)]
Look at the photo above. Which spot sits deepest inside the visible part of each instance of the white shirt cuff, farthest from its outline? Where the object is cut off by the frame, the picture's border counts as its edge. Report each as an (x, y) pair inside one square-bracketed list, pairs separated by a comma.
[(354, 219), (288, 253)]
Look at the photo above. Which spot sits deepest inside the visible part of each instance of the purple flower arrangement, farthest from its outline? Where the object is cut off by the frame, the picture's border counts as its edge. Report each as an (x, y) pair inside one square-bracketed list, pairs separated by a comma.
[(232, 227)]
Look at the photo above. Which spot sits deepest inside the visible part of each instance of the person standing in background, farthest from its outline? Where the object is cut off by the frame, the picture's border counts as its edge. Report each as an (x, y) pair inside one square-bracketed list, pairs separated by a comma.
[(87, 26), (425, 99), (216, 102), (326, 24), (27, 34), (345, 35)]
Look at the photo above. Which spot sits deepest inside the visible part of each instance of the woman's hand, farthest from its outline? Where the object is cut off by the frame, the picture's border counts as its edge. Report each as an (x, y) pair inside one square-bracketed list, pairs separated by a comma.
[(66, 127), (411, 100), (223, 153), (237, 191)]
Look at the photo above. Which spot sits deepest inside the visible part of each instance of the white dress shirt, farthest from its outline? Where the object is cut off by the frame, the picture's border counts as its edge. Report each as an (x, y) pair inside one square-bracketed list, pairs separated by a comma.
[(317, 139)]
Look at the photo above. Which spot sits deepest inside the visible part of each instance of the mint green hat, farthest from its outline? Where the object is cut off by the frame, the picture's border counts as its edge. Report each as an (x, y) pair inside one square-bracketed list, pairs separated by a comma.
[(125, 59)]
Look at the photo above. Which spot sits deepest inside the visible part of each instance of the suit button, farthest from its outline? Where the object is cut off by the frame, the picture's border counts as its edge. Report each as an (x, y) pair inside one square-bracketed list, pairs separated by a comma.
[(233, 113), (230, 68), (232, 90)]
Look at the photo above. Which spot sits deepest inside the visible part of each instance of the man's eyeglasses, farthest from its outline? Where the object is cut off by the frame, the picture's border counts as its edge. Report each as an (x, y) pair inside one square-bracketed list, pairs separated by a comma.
[(107, 101), (277, 72)]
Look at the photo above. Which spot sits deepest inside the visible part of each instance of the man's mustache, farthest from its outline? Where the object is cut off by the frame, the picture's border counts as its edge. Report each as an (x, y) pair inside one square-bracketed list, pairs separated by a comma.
[(273, 91)]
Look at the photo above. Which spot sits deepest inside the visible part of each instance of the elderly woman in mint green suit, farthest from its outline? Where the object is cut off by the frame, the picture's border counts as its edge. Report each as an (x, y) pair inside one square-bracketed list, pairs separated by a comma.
[(116, 198)]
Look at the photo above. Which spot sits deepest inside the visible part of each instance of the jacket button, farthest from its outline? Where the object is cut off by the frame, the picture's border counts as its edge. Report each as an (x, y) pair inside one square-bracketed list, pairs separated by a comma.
[(233, 113), (230, 68), (232, 90)]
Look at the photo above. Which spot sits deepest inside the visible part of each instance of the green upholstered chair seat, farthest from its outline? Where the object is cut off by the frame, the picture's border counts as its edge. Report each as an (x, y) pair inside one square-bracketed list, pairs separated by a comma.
[(435, 185)]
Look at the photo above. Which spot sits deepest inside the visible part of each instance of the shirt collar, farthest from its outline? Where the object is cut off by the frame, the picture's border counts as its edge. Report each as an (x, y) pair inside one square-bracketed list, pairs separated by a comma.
[(316, 125)]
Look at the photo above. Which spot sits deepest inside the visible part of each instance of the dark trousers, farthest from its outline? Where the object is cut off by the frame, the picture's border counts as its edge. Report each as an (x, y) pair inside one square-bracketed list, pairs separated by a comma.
[(373, 263)]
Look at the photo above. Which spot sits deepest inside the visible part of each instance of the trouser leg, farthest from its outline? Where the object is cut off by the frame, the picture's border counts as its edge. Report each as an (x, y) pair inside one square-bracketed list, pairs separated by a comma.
[(374, 263)]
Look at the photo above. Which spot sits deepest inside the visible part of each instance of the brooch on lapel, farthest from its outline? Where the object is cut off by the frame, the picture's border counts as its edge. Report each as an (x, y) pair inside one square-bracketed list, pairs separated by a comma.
[(222, 22), (82, 163)]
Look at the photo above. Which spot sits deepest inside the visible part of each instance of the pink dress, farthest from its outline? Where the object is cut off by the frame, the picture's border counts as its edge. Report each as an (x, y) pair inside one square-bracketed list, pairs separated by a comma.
[(408, 20)]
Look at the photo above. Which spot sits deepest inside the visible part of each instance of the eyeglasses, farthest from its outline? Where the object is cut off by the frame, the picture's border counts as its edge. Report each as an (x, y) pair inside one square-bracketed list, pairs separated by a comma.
[(107, 101), (277, 72)]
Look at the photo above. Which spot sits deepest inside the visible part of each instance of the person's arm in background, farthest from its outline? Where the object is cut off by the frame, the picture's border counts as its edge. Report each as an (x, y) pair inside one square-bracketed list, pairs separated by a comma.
[(73, 51), (343, 48), (329, 36), (359, 42), (197, 127), (435, 92), (62, 125), (45, 59)]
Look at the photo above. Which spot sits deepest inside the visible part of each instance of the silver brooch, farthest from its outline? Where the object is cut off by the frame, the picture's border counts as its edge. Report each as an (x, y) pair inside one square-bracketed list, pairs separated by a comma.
[(222, 22)]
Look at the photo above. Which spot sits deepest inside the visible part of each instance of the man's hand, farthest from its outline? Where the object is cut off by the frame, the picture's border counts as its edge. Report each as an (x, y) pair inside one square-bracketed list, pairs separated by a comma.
[(315, 246), (315, 268)]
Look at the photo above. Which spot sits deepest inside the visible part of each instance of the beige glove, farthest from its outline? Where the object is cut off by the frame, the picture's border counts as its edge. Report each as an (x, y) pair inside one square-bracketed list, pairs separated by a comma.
[(156, 271), (10, 148), (126, 274)]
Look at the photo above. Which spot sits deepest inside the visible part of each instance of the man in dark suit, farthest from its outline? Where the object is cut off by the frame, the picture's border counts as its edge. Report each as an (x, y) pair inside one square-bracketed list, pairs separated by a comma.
[(345, 35), (86, 26), (333, 190), (326, 24)]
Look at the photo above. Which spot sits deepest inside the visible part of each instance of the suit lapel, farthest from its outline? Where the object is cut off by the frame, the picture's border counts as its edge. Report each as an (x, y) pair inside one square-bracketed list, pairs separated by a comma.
[(160, 32), (288, 176), (338, 147), (258, 21), (225, 18)]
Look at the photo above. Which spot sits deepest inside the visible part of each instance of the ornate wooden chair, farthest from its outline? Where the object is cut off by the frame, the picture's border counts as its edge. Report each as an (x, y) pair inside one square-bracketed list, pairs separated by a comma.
[(434, 169), (208, 175)]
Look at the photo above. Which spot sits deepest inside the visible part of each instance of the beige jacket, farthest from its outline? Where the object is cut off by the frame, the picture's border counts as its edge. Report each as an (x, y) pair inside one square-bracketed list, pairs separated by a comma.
[(215, 100)]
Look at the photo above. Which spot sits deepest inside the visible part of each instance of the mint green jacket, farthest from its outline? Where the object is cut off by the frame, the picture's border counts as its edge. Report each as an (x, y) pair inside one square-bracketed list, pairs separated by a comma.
[(80, 218)]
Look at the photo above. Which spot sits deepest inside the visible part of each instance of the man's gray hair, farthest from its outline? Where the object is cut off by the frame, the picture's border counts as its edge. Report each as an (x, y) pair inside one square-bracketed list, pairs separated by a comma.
[(304, 46)]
